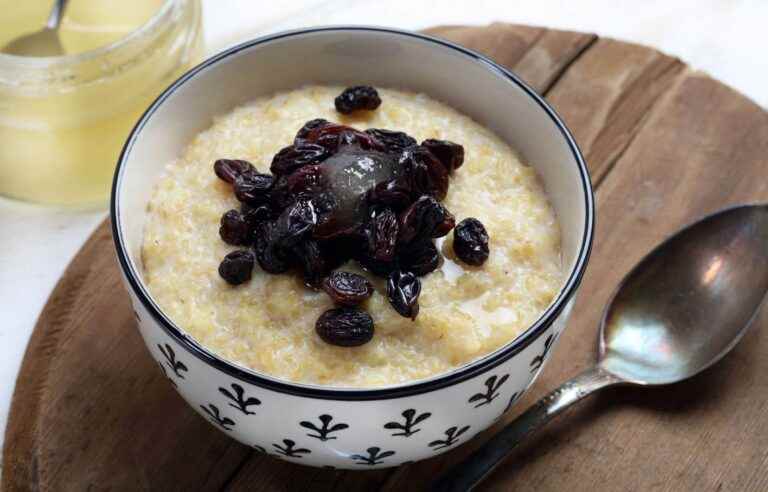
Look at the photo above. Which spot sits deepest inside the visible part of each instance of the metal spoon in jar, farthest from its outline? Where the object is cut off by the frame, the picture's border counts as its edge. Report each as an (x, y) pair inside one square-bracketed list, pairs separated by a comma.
[(680, 310), (44, 42)]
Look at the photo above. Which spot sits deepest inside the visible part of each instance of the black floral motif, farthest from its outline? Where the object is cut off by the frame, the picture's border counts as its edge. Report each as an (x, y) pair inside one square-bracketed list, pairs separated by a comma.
[(290, 450), (165, 373), (240, 401), (374, 457), (216, 417), (539, 359), (170, 357), (324, 430), (512, 399), (411, 419), (260, 449), (451, 437), (491, 392)]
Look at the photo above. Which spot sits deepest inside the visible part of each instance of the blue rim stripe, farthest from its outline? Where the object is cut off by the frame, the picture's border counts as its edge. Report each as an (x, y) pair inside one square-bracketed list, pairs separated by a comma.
[(460, 374)]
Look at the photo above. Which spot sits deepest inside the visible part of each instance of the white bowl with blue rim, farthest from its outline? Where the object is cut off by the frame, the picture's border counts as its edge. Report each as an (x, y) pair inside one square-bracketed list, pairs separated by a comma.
[(352, 428)]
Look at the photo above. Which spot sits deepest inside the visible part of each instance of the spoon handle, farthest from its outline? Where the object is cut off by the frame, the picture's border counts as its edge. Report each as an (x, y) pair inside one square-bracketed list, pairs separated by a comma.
[(57, 12), (469, 473)]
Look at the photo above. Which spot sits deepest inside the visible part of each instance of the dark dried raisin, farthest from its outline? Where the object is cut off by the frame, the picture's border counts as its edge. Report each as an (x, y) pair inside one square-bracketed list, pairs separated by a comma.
[(395, 193), (333, 137), (295, 223), (347, 289), (310, 125), (255, 214), (420, 258), (426, 174), (294, 157), (359, 139), (403, 289), (312, 262), (345, 327), (470, 242), (236, 267), (382, 234), (358, 97), (450, 155), (231, 169), (392, 141), (306, 181), (376, 267), (325, 204), (425, 218), (234, 229), (271, 258), (253, 188)]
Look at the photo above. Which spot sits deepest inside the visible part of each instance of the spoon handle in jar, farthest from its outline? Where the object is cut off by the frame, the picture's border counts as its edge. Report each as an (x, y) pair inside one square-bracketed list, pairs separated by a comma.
[(469, 473), (57, 12)]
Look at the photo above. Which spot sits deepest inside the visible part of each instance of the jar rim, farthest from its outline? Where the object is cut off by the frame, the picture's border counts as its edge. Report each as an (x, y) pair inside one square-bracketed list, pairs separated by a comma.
[(45, 62)]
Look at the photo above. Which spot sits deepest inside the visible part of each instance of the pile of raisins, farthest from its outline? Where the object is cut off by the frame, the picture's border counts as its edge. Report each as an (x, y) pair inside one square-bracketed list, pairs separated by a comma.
[(339, 194)]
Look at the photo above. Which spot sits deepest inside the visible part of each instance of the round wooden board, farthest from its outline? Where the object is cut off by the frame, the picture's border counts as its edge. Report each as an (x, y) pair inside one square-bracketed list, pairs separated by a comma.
[(664, 144)]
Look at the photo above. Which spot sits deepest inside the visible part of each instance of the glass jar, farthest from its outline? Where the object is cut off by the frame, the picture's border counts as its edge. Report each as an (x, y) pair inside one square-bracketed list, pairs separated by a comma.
[(63, 120)]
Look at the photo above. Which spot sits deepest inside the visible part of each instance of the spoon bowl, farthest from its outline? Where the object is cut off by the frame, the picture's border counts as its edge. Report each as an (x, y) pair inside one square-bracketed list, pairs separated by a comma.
[(45, 42), (689, 301)]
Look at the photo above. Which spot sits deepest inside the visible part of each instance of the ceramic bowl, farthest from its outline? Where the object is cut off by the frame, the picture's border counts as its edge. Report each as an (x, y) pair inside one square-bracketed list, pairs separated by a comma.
[(347, 427)]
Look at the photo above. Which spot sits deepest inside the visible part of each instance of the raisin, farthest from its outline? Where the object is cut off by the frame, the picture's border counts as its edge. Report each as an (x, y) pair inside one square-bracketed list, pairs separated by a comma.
[(403, 289), (392, 141), (234, 229), (358, 97), (306, 180), (325, 204), (295, 223), (279, 196), (347, 289), (420, 258), (395, 193), (376, 267), (425, 218), (253, 188), (427, 175), (312, 262), (358, 139), (254, 215), (470, 242), (382, 234), (310, 125), (333, 228), (334, 136), (450, 155), (345, 327), (230, 169), (271, 258), (294, 157), (236, 267)]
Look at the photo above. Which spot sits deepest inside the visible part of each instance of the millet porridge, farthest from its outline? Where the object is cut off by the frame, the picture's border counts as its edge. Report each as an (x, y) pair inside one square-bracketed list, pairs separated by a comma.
[(268, 323)]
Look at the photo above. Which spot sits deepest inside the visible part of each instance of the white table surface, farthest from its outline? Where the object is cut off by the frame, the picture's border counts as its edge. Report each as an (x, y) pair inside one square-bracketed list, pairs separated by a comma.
[(723, 37)]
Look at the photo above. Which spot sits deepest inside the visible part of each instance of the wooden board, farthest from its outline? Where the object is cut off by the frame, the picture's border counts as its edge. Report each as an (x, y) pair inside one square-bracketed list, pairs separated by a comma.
[(665, 145)]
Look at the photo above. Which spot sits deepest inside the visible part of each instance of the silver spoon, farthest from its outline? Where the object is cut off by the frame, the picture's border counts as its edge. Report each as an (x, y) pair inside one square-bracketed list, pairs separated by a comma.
[(44, 42), (680, 310)]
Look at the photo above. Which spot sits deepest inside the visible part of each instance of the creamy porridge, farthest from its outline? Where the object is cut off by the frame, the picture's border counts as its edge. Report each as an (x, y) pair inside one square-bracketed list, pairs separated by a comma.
[(268, 324)]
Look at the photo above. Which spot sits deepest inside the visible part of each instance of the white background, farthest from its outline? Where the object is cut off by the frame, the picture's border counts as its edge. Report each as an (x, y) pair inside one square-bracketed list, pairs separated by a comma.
[(726, 38)]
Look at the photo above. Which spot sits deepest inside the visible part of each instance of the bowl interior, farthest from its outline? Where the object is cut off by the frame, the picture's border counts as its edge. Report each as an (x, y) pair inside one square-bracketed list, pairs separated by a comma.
[(355, 56)]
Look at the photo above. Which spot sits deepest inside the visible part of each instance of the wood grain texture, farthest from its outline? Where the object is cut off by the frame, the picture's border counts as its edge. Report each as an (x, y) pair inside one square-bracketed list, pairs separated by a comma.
[(665, 145)]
